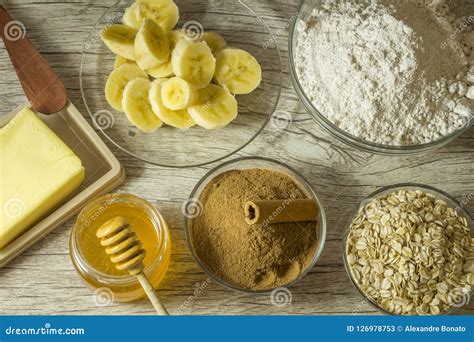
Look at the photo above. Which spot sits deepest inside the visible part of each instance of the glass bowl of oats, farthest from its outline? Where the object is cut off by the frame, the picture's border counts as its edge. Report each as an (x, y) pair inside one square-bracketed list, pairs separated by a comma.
[(408, 250)]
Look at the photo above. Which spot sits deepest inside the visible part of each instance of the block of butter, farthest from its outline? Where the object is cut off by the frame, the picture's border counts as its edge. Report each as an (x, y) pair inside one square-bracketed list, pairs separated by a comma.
[(38, 171)]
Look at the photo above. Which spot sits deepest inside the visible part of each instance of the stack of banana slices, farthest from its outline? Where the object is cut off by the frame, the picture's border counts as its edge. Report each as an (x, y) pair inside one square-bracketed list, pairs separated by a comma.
[(164, 75)]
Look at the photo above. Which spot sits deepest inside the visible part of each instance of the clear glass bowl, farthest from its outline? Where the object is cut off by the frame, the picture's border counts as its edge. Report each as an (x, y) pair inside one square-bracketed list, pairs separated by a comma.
[(250, 163), (451, 202), (304, 11), (171, 147)]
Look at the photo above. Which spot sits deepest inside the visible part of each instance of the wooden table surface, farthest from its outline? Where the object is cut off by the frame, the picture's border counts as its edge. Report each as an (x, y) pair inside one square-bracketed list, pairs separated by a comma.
[(43, 281)]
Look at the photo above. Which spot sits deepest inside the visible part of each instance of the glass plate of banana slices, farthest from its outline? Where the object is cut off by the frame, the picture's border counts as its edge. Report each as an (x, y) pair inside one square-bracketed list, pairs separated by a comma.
[(180, 83)]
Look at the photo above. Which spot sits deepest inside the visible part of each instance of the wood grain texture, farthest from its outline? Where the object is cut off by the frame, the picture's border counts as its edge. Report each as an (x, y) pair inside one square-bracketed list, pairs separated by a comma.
[(42, 86), (43, 281)]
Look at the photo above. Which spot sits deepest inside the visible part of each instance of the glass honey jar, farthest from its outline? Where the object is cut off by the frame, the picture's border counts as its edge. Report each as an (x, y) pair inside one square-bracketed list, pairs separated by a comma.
[(94, 265)]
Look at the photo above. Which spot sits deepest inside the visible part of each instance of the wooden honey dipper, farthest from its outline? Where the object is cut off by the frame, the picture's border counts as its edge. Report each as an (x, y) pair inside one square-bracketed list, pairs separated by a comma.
[(127, 253)]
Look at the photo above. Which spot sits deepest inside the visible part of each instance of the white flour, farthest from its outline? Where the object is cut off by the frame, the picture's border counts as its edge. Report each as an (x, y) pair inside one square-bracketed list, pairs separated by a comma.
[(390, 74)]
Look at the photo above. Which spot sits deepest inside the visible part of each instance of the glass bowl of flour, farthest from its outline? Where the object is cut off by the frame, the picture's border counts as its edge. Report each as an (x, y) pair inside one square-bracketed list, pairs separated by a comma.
[(380, 79)]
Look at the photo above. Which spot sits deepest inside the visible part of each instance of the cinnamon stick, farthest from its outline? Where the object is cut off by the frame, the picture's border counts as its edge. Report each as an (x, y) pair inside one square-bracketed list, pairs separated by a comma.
[(279, 211)]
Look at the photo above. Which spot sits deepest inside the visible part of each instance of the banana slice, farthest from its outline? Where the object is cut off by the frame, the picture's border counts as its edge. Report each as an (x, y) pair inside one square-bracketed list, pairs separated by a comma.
[(218, 109), (175, 118), (193, 62), (164, 12), (120, 39), (117, 81), (237, 70), (178, 94), (164, 70), (174, 37), (151, 45), (215, 41), (137, 106), (119, 61), (131, 16)]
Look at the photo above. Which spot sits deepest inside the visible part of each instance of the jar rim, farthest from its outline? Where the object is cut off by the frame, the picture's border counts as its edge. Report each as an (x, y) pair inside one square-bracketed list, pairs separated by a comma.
[(102, 202)]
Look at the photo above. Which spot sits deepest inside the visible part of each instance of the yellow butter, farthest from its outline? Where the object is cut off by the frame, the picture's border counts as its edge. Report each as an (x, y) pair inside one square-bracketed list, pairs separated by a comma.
[(37, 172)]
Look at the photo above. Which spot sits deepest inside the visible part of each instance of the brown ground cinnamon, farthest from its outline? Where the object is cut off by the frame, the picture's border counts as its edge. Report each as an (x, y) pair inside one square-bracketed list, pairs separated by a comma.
[(254, 257)]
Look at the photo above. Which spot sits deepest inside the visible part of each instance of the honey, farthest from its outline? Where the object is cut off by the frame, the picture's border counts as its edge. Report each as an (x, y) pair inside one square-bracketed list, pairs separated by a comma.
[(142, 225), (94, 265)]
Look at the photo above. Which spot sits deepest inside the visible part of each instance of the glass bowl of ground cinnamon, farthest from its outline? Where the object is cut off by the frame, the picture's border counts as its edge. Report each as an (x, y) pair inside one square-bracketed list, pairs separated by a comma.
[(254, 224)]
